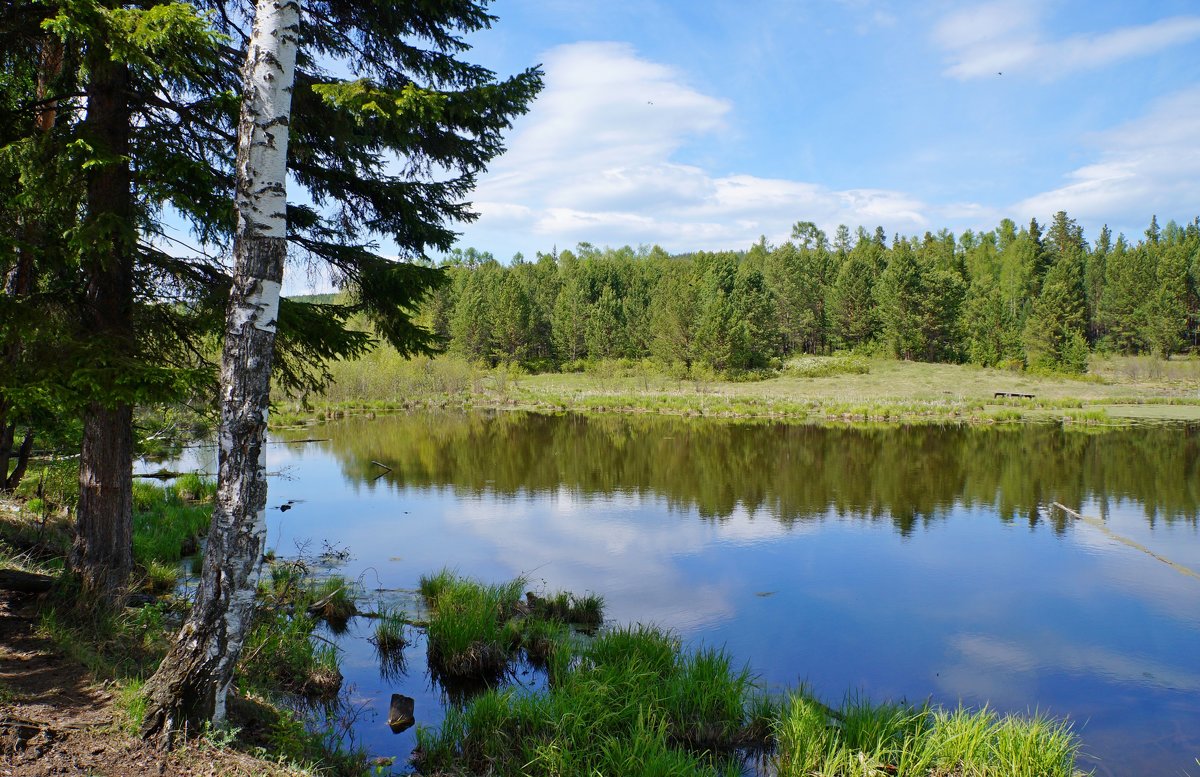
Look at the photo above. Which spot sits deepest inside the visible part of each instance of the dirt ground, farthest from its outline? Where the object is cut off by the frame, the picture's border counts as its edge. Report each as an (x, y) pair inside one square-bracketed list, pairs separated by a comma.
[(55, 719)]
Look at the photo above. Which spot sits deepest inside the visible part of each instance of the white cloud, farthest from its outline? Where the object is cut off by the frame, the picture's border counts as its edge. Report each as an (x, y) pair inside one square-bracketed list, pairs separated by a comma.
[(1149, 165), (596, 161), (1007, 37)]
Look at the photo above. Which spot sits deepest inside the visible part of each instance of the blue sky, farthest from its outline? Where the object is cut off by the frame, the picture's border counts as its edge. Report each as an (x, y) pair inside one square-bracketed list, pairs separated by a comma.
[(706, 124)]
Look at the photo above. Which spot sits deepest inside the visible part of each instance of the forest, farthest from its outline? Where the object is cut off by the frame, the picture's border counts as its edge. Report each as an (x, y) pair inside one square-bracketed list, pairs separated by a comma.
[(1031, 297)]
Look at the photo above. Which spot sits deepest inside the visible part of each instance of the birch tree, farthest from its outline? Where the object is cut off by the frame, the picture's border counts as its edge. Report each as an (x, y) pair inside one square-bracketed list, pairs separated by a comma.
[(191, 685)]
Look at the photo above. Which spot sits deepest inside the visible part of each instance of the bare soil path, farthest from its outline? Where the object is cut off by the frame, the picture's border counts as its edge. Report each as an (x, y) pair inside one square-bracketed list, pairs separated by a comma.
[(56, 719)]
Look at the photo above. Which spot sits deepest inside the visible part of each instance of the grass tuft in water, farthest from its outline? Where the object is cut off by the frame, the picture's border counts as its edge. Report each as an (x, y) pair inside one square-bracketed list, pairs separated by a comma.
[(281, 654), (585, 612), (541, 639), (389, 630), (630, 702), (331, 600), (469, 634), (895, 739)]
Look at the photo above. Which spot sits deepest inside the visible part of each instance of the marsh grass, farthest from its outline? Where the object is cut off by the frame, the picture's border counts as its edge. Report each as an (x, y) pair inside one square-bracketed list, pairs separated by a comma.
[(634, 701), (628, 702), (281, 653), (389, 630), (168, 523), (896, 739), (471, 631), (585, 611), (332, 600), (541, 640)]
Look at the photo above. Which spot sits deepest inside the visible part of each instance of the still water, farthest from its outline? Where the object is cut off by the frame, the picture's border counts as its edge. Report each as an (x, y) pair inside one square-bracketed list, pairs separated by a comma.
[(901, 563)]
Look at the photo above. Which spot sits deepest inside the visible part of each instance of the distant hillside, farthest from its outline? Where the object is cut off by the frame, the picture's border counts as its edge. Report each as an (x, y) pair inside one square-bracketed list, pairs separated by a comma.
[(315, 299)]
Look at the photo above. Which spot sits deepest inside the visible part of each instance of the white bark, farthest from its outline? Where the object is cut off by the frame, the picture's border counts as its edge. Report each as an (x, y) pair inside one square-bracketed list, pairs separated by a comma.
[(259, 253), (266, 109), (193, 681)]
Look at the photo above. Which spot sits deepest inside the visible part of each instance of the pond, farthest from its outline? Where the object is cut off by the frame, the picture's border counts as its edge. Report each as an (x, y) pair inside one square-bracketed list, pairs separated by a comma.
[(901, 563)]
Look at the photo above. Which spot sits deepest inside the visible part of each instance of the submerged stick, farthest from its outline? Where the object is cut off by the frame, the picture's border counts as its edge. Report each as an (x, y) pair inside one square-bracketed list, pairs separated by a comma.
[(1126, 541)]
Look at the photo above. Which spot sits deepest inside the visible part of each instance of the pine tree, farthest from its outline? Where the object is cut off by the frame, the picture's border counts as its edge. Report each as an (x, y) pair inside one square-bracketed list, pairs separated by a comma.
[(1093, 282), (1055, 330), (674, 318), (572, 309), (1128, 283), (852, 299), (899, 293), (1166, 311), (512, 322), (472, 328)]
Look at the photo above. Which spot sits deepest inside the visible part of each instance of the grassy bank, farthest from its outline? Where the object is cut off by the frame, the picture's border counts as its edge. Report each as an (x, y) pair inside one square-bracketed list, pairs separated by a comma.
[(821, 389)]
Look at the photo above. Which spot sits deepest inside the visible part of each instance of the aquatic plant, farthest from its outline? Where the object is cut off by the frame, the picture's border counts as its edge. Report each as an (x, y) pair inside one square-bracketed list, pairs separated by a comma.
[(586, 611), (280, 654), (331, 600), (630, 702), (389, 630), (469, 632), (897, 739)]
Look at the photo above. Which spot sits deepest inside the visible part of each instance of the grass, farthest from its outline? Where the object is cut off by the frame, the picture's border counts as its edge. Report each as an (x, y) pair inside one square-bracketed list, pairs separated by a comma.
[(540, 639), (895, 739), (628, 703), (168, 523), (826, 366), (470, 632), (842, 388), (476, 631), (633, 701), (586, 612), (331, 600), (389, 630), (280, 654)]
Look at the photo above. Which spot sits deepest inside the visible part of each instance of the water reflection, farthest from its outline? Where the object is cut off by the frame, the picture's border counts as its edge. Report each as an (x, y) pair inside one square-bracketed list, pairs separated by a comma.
[(905, 562), (908, 475)]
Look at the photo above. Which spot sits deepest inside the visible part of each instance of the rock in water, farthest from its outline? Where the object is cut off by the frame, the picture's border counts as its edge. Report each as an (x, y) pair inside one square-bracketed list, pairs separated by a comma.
[(400, 716)]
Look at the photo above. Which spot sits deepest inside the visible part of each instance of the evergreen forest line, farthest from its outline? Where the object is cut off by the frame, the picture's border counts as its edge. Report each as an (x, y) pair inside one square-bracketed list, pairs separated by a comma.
[(1018, 297)]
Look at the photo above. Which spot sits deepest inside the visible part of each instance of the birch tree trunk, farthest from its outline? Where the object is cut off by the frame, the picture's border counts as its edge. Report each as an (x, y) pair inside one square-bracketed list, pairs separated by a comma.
[(190, 686)]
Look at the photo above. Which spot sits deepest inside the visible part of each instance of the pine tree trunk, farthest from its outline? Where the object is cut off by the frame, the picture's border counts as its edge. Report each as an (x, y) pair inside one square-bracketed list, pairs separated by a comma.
[(190, 686), (103, 550)]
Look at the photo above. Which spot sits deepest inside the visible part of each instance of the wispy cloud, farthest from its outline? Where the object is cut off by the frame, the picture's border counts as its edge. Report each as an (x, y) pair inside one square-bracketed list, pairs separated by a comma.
[(1148, 165), (597, 160), (1007, 36)]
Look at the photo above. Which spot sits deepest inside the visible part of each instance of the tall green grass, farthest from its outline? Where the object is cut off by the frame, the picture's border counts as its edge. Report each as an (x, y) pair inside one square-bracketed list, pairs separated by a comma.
[(168, 523), (471, 632), (585, 611), (630, 702), (895, 739)]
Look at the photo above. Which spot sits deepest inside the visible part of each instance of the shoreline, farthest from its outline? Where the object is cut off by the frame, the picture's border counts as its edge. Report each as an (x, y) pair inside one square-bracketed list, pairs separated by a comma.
[(890, 392)]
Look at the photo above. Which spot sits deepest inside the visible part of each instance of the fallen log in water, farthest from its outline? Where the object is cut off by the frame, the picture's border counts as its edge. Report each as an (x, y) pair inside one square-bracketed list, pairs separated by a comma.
[(1099, 524)]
